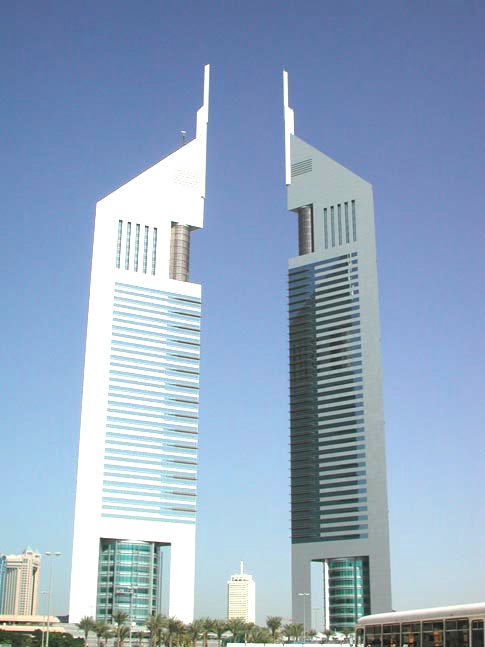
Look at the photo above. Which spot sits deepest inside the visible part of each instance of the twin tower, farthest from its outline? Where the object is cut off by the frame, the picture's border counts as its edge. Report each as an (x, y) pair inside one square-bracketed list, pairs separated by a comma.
[(134, 530)]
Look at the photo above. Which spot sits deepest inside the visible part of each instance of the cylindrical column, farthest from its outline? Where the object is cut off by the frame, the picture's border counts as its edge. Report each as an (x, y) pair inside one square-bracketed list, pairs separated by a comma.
[(179, 252), (305, 230)]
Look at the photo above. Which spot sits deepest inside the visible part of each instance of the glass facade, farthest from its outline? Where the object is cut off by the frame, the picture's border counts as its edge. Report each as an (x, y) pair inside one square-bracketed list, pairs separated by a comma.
[(130, 575), (150, 459), (328, 472), (347, 591)]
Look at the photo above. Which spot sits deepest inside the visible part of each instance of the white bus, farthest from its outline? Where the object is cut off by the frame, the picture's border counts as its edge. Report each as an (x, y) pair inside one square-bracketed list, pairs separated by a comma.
[(456, 626)]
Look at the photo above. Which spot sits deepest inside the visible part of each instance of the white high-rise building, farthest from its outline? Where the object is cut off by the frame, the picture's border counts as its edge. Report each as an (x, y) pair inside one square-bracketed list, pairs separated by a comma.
[(134, 529), (19, 583), (339, 509), (241, 597)]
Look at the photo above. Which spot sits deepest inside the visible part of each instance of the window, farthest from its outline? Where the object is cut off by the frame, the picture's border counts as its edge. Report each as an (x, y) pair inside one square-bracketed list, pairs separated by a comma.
[(127, 249), (347, 229), (154, 250), (118, 244), (354, 222), (145, 250), (339, 219), (332, 224), (137, 248)]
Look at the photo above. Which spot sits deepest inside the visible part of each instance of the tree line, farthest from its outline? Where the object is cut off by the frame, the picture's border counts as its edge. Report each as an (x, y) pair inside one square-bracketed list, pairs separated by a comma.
[(172, 632)]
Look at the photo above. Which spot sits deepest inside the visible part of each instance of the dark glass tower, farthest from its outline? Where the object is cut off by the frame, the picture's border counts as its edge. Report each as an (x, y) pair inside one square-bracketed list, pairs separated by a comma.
[(339, 514)]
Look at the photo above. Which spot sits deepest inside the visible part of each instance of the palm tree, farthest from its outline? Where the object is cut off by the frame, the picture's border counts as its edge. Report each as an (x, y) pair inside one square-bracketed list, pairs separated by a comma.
[(248, 627), (155, 625), (274, 624), (123, 633), (194, 629), (293, 630), (219, 627), (119, 619), (101, 630), (86, 624), (259, 635), (175, 628), (236, 626), (207, 626)]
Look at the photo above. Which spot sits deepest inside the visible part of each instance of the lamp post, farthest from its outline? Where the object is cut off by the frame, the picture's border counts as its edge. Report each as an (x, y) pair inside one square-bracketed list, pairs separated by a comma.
[(51, 555), (304, 596), (44, 609), (131, 590)]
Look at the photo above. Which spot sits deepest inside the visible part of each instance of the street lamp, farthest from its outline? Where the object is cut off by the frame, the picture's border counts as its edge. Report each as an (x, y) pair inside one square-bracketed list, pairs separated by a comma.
[(304, 596), (131, 590), (44, 609), (51, 555)]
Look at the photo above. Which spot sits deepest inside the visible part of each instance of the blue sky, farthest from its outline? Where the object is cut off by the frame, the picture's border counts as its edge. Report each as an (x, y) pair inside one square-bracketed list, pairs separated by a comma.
[(93, 93)]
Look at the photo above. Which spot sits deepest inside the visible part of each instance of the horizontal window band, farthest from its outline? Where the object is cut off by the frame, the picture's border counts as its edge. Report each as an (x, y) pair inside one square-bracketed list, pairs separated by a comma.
[(339, 351), (163, 341), (343, 500), (160, 313), (337, 332), (356, 450), (321, 264), (334, 305), (176, 298), (340, 404), (167, 328), (156, 351), (331, 373), (346, 457), (339, 338), (314, 539), (141, 518), (338, 390), (342, 379), (169, 380), (168, 321), (151, 426), (160, 306), (339, 488)]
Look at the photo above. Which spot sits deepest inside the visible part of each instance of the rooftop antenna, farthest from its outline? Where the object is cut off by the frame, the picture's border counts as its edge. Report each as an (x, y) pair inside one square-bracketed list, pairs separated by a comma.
[(184, 137)]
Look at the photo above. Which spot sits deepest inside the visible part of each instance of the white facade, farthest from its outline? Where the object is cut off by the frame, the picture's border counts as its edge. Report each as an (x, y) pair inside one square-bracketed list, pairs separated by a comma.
[(139, 423), (21, 583), (241, 597)]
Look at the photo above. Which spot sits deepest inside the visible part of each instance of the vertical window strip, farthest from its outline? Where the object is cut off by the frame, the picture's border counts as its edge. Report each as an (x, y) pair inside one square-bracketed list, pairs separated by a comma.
[(354, 222), (154, 250), (137, 247), (127, 249), (347, 228), (118, 244), (325, 228), (339, 220), (332, 225), (145, 250)]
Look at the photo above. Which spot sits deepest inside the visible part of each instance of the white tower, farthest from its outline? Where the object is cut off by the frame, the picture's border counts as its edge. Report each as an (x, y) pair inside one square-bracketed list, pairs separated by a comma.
[(21, 583), (241, 597), (134, 529), (339, 510)]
